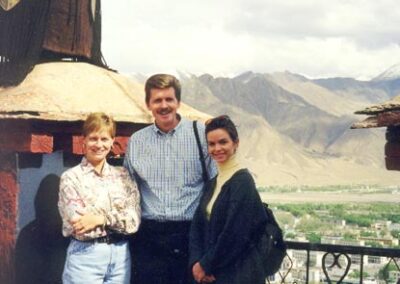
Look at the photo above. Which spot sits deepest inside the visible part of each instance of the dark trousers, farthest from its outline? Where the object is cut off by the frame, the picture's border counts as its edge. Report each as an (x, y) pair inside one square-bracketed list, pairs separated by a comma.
[(160, 253)]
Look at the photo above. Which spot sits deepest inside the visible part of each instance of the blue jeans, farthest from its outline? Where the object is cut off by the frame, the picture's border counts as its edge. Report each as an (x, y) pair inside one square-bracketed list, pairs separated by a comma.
[(90, 262)]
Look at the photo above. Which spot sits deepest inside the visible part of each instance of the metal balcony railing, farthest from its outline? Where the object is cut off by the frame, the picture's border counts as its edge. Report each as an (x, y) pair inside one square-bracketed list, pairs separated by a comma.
[(337, 256)]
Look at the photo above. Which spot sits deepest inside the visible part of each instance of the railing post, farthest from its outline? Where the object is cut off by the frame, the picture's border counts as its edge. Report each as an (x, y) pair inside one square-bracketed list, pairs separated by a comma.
[(361, 268), (308, 265)]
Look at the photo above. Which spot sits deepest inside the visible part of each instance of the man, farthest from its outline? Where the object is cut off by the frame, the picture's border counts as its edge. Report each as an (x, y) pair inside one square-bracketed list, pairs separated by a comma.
[(164, 160)]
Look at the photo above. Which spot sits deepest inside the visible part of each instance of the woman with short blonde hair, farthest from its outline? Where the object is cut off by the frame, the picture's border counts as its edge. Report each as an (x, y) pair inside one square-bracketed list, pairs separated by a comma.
[(100, 206)]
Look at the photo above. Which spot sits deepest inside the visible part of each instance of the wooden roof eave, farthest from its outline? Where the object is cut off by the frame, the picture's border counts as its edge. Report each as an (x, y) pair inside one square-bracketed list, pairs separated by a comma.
[(70, 91), (70, 117), (383, 119)]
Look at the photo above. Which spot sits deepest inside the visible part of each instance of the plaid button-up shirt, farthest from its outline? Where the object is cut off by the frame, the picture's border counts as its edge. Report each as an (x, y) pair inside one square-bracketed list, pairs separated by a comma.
[(168, 170)]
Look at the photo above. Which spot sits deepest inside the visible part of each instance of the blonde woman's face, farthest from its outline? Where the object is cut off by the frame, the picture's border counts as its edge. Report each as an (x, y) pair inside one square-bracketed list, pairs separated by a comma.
[(97, 145)]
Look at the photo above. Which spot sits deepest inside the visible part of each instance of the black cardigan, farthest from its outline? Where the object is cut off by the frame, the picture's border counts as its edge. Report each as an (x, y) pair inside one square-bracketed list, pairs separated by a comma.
[(235, 224)]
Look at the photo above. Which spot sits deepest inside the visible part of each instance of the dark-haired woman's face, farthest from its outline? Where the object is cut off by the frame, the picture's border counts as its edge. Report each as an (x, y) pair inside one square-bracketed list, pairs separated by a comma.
[(220, 145)]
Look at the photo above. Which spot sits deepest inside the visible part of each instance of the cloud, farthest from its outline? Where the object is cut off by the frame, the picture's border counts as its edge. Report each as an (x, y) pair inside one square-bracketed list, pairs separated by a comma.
[(357, 38), (360, 20)]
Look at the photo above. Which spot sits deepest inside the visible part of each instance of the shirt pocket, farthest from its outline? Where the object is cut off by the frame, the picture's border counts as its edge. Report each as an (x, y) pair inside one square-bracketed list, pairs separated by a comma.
[(191, 171)]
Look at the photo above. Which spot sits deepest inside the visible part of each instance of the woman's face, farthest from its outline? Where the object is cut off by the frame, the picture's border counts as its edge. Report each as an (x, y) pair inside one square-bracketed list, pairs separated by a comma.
[(97, 146), (220, 145)]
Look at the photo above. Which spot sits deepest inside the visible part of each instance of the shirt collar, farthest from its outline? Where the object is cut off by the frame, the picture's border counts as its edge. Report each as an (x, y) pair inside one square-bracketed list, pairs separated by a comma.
[(172, 131), (88, 167)]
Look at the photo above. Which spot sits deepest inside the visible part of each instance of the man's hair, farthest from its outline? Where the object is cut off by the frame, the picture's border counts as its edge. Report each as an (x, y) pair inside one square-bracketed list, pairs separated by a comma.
[(223, 122), (97, 121), (162, 81)]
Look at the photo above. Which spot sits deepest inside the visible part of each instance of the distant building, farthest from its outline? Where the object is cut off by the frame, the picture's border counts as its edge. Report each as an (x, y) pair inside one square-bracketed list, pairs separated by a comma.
[(372, 259), (387, 241), (341, 241), (381, 225), (394, 227)]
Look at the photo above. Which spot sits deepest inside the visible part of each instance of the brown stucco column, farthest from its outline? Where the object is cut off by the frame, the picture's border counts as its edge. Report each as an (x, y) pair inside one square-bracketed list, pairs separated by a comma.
[(9, 192), (392, 148)]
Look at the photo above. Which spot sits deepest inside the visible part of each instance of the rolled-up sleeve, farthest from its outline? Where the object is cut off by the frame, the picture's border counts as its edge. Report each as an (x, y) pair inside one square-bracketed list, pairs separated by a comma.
[(125, 214), (69, 202)]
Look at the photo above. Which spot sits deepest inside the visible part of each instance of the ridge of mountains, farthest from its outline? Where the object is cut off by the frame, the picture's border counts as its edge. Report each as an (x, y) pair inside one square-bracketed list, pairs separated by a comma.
[(296, 131)]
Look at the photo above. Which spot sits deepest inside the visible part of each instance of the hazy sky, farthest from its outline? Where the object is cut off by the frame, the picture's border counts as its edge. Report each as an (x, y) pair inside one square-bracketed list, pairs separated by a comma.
[(316, 38)]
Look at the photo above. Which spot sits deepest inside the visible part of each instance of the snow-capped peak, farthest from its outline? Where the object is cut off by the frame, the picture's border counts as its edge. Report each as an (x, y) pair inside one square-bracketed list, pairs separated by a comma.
[(392, 73)]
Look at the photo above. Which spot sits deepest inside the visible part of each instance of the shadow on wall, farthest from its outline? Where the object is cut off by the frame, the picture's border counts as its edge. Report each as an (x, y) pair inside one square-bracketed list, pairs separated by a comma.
[(41, 248)]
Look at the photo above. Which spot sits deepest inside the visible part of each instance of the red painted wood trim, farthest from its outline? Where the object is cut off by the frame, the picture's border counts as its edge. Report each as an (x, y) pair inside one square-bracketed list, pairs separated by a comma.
[(77, 145), (41, 143), (388, 118), (120, 144), (26, 142)]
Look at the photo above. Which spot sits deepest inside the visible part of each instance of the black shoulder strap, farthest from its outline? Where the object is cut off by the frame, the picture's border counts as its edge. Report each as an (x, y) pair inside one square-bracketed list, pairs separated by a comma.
[(202, 160)]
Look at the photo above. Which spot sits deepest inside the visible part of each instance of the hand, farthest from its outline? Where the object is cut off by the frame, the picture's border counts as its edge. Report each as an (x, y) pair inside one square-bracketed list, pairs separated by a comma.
[(198, 272), (200, 275), (86, 222), (208, 279)]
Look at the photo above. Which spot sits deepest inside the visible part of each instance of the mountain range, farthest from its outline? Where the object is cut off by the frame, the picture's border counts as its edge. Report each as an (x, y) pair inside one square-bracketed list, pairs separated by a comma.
[(295, 130)]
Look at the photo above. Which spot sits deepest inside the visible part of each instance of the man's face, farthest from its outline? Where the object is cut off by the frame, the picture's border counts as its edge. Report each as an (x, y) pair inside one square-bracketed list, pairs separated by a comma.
[(163, 105)]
